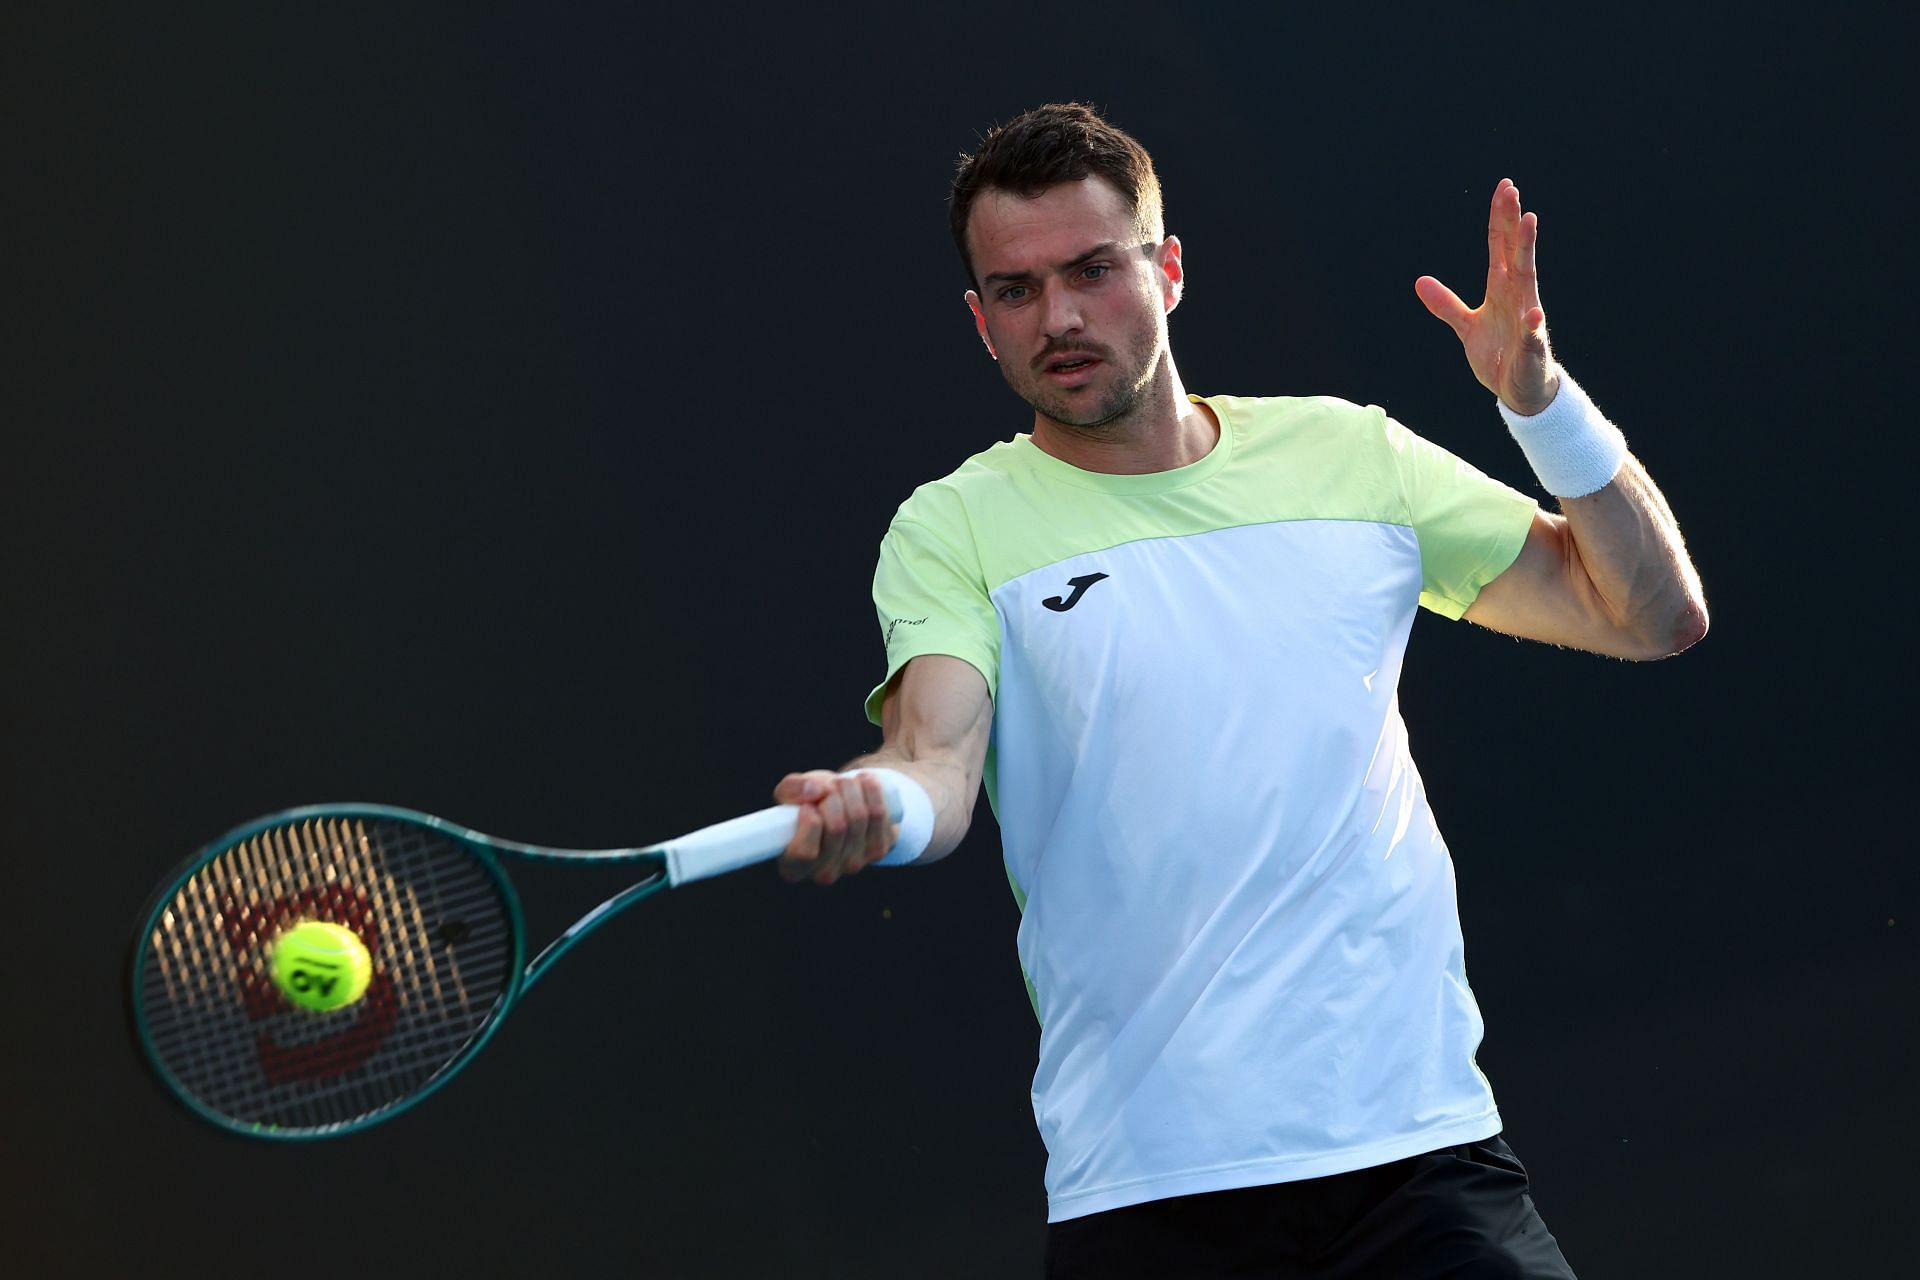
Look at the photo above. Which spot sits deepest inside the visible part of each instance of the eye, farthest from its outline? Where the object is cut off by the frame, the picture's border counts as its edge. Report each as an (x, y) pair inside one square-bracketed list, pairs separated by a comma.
[(1094, 271), (1013, 293)]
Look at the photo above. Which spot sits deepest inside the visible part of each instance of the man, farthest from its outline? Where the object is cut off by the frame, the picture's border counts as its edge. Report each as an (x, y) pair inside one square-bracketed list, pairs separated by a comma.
[(1178, 623)]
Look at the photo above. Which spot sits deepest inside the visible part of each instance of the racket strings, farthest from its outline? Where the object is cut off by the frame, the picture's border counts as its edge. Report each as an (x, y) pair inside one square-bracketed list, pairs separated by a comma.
[(433, 918)]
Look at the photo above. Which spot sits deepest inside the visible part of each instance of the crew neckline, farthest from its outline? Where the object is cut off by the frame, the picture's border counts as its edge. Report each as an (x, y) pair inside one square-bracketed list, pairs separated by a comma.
[(1141, 482)]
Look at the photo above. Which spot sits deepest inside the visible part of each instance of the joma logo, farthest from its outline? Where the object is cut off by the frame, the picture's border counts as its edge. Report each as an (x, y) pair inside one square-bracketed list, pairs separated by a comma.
[(1079, 585)]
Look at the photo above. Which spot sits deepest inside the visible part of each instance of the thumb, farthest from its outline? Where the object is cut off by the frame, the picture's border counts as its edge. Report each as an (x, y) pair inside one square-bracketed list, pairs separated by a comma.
[(799, 788), (1443, 302)]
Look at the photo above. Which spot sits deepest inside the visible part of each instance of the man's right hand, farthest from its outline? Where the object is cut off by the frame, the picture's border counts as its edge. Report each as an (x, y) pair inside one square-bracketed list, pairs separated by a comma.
[(843, 825), (936, 719)]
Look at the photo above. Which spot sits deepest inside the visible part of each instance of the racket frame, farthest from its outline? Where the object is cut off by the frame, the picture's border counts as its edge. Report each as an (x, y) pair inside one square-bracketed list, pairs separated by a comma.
[(484, 849)]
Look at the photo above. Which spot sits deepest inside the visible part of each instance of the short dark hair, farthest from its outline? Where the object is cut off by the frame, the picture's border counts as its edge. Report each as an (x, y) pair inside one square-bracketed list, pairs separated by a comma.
[(1059, 142)]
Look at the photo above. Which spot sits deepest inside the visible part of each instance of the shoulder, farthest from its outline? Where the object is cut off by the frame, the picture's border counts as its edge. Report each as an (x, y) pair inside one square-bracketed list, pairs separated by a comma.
[(1308, 431), (1290, 409), (1312, 457), (1300, 420), (974, 483)]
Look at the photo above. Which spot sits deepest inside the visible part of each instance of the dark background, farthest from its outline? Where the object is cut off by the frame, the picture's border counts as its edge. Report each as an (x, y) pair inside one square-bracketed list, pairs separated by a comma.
[(495, 410)]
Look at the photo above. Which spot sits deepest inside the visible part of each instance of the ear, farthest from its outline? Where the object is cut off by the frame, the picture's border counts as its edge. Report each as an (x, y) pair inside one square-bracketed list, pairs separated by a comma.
[(980, 322), (1172, 272)]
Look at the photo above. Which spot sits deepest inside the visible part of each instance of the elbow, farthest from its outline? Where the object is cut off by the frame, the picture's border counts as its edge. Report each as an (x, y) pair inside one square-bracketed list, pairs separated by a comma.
[(1691, 628), (1674, 634)]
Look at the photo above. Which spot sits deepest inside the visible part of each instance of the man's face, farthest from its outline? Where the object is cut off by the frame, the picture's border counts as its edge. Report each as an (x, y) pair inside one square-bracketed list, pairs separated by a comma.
[(1071, 303)]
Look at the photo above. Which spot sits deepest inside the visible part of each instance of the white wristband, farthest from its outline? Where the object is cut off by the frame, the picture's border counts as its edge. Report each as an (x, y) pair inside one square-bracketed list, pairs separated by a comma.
[(1571, 446), (916, 818)]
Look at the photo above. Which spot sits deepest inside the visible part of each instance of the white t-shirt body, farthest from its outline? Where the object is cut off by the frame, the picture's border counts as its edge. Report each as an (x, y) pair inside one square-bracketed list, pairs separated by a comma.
[(1238, 922)]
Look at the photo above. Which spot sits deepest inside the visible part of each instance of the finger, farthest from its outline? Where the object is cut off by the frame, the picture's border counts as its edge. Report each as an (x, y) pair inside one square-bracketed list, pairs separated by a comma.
[(1503, 235), (797, 859), (832, 863), (1444, 303), (802, 788), (880, 827), (833, 824), (1529, 278), (1496, 225), (853, 842)]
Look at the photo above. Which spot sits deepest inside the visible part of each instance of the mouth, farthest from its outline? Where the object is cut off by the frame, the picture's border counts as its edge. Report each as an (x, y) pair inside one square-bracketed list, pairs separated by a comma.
[(1071, 369)]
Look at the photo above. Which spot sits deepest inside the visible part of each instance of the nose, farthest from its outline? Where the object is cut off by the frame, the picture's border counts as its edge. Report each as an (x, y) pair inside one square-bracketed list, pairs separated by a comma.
[(1059, 312)]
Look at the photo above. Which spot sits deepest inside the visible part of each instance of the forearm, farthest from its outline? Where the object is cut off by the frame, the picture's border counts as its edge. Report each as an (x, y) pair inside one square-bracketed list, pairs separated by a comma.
[(935, 723), (1626, 545), (1609, 574)]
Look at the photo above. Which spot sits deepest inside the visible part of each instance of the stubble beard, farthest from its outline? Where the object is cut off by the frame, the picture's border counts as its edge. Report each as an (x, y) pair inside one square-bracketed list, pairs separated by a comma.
[(1111, 413)]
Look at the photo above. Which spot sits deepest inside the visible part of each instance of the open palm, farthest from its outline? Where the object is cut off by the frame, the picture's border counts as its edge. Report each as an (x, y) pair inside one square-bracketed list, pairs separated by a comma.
[(1505, 337)]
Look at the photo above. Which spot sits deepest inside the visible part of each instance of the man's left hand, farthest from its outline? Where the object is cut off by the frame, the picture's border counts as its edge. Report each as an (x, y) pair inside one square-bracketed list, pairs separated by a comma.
[(1506, 335)]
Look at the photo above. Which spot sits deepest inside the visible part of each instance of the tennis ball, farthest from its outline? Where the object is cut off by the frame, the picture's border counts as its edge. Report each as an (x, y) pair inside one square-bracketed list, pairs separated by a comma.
[(321, 965)]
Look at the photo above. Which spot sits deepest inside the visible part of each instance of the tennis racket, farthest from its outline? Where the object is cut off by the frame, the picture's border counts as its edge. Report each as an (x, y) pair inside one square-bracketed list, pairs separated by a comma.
[(444, 956)]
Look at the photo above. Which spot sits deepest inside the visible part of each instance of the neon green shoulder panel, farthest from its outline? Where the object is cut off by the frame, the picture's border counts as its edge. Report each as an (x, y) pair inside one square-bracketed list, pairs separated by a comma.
[(1013, 509)]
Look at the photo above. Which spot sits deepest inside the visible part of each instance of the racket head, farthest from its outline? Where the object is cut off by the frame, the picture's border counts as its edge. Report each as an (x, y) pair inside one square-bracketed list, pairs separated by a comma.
[(446, 940)]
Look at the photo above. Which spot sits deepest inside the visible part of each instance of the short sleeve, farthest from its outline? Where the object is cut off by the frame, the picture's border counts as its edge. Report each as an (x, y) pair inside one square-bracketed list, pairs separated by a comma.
[(931, 597), (1470, 526)]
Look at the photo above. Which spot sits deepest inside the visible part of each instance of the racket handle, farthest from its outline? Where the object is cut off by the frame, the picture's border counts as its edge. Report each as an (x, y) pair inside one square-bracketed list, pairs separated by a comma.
[(743, 841)]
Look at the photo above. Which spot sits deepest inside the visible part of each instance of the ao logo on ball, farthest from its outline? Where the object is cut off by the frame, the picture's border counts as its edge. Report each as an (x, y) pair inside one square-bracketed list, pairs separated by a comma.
[(321, 965)]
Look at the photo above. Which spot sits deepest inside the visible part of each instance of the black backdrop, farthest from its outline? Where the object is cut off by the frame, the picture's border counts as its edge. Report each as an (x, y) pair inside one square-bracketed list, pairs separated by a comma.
[(495, 409)]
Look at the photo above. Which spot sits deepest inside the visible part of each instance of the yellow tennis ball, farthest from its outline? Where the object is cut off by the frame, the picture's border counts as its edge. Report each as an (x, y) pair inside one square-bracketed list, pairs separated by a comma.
[(321, 965)]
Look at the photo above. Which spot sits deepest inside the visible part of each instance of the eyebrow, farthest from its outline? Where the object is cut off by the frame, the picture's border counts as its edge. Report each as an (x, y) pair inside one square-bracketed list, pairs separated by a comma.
[(1107, 246)]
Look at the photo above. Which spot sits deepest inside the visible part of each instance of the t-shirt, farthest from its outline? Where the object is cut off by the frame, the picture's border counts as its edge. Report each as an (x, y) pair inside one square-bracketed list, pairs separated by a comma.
[(1238, 921)]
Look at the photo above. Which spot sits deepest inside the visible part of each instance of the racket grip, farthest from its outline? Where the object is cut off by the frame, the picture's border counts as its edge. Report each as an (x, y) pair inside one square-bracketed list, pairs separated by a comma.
[(743, 841)]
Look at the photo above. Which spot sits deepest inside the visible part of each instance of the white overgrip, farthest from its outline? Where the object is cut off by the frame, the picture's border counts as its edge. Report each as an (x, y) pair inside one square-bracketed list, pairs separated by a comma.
[(750, 838), (730, 845)]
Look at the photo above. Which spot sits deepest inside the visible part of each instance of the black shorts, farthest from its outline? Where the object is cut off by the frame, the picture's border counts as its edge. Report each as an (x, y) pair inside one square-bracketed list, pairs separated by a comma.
[(1461, 1212)]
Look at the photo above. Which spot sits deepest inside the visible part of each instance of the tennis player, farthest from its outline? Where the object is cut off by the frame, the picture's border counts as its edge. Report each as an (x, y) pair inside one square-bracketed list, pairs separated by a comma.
[(1166, 630)]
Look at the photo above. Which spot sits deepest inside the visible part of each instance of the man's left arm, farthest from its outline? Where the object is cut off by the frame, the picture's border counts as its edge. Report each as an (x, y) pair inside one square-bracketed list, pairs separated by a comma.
[(1610, 573)]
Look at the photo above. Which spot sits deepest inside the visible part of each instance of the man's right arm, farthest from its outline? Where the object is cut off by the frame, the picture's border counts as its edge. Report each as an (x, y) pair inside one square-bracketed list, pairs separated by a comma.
[(935, 724)]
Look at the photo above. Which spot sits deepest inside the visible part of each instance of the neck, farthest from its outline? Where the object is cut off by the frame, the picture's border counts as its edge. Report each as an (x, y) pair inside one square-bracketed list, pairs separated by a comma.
[(1162, 431)]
